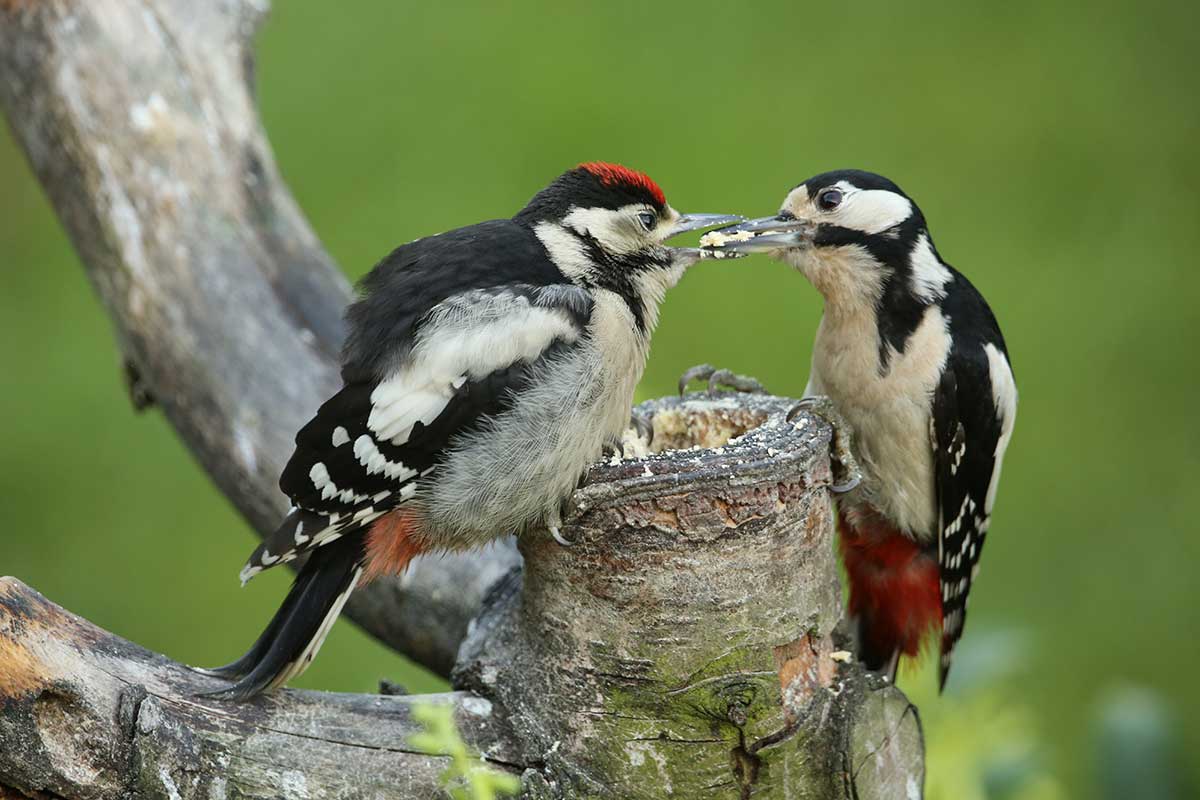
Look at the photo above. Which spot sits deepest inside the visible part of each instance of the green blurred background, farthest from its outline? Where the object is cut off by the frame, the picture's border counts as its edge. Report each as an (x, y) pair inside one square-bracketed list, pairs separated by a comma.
[(1055, 151)]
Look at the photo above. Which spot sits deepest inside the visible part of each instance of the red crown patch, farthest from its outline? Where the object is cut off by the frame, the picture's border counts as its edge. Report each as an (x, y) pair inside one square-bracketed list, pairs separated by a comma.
[(610, 174)]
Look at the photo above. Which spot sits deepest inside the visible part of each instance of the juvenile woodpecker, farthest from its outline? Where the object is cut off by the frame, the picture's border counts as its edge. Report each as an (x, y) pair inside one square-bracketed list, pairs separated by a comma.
[(911, 356), (484, 370)]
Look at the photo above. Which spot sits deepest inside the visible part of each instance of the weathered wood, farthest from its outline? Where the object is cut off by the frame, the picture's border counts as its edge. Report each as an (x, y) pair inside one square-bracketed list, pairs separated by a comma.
[(139, 120), (86, 714), (684, 644)]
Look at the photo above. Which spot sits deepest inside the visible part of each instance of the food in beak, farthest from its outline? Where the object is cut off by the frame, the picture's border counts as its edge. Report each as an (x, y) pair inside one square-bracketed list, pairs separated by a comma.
[(720, 239), (709, 252)]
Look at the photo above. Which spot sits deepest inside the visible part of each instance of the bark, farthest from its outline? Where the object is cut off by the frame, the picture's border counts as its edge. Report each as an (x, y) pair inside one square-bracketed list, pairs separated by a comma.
[(85, 714), (686, 645)]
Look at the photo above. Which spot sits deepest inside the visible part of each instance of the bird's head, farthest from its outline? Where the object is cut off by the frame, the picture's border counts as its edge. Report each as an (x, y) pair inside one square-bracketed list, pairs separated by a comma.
[(606, 226), (854, 235)]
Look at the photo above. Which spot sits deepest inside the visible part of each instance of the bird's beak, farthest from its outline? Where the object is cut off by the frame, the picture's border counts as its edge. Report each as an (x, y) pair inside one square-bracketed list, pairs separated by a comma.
[(696, 222), (758, 235)]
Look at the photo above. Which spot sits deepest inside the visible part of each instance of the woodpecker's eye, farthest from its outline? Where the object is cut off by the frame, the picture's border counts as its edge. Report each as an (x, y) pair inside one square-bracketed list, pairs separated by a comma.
[(647, 219), (829, 199)]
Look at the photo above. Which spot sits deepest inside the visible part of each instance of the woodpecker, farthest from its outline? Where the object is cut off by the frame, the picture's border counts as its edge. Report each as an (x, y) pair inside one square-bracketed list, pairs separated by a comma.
[(485, 368), (911, 357)]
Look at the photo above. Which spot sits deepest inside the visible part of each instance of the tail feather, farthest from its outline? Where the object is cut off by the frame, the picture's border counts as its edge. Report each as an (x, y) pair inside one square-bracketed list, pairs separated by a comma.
[(237, 669), (291, 640)]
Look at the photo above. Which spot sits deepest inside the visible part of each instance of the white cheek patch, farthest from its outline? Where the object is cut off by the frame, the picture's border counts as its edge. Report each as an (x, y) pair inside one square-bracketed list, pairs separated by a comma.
[(870, 210), (611, 227)]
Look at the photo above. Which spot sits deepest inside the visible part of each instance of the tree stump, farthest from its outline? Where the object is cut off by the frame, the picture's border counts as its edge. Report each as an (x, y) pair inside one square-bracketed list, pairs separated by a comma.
[(684, 644)]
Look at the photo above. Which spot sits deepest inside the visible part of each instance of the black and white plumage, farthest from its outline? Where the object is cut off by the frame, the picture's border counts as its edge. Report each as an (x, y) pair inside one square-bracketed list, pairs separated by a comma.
[(484, 370), (911, 356)]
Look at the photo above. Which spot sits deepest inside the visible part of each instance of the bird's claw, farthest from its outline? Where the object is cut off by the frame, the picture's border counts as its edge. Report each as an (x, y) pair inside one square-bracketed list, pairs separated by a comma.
[(554, 523), (622, 448), (700, 371), (847, 474), (842, 488), (732, 380), (643, 426), (719, 377)]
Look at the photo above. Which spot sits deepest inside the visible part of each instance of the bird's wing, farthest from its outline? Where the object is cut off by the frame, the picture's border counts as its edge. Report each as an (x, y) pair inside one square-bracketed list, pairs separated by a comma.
[(974, 407), (416, 277), (369, 445)]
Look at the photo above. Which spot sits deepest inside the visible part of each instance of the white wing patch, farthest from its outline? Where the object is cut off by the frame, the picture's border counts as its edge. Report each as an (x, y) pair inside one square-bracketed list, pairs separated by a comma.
[(465, 338), (1004, 392), (320, 478), (374, 461), (340, 436), (408, 397)]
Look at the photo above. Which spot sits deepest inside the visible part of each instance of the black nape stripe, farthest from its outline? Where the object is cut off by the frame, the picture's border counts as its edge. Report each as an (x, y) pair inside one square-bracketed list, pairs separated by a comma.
[(900, 310)]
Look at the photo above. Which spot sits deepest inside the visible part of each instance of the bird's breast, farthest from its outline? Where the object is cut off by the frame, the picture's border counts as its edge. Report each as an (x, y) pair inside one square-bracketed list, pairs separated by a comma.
[(888, 408), (511, 473)]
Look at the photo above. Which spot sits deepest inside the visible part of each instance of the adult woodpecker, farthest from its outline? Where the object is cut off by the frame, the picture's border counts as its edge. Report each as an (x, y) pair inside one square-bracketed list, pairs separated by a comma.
[(484, 370), (911, 357)]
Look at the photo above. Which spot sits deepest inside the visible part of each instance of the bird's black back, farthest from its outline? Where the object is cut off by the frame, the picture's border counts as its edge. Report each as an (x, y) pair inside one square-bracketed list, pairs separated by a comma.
[(415, 277)]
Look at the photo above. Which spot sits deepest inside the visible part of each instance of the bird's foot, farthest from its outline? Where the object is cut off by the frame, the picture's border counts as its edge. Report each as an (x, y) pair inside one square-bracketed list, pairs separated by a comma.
[(846, 472), (643, 426), (719, 377), (888, 672), (634, 441), (554, 525)]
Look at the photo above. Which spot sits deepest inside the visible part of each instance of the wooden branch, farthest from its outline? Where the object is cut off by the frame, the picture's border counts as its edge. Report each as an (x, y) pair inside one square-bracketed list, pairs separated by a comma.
[(84, 713), (138, 118)]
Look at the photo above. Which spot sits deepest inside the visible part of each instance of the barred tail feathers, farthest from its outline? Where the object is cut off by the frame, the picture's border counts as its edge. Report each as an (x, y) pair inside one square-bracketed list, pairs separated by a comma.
[(294, 635)]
